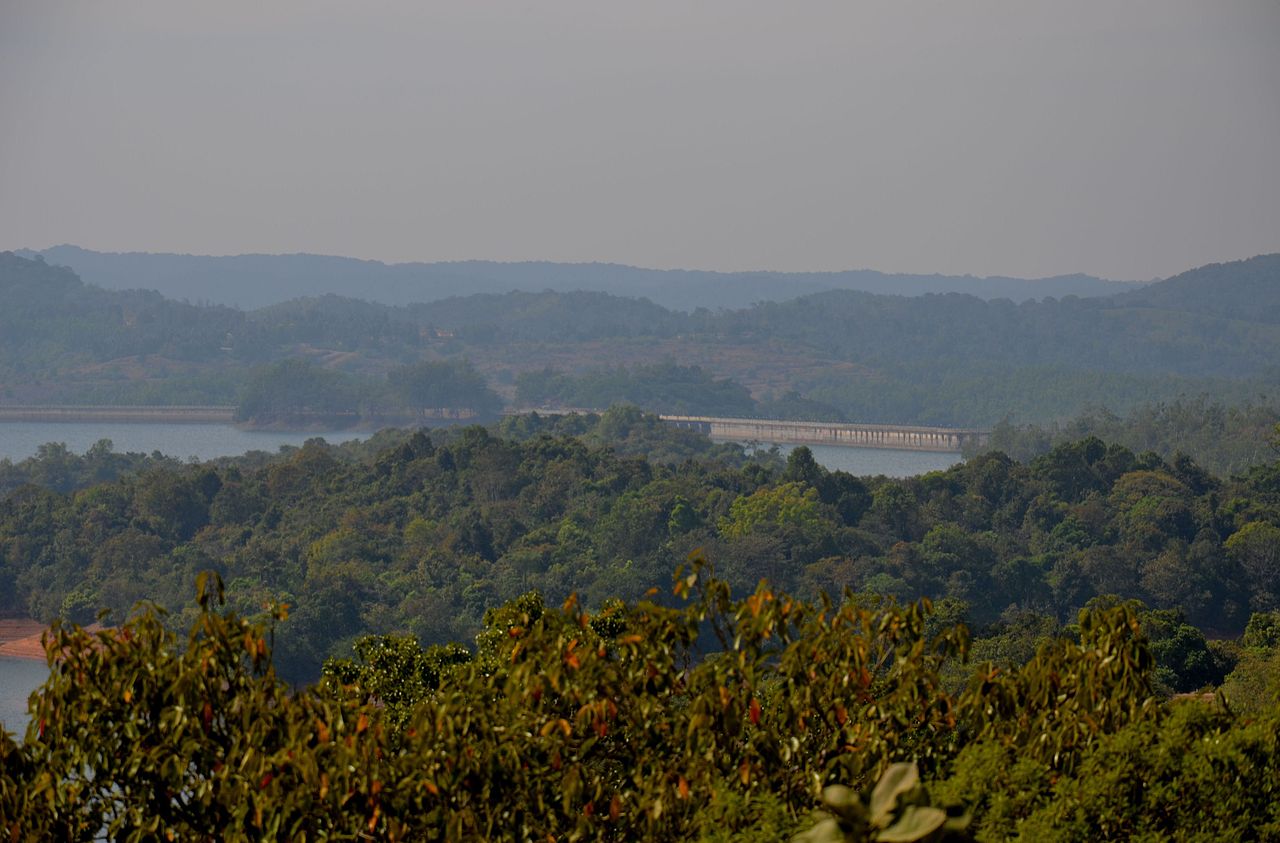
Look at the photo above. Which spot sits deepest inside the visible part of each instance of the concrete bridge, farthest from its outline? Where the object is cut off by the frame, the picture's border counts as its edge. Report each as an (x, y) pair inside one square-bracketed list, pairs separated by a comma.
[(899, 437)]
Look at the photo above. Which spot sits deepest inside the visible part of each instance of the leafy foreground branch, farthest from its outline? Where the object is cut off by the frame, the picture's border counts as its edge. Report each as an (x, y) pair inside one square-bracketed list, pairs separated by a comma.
[(625, 725)]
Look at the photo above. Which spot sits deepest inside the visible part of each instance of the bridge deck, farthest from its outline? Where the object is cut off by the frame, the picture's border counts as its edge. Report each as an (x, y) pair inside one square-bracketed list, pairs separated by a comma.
[(903, 437)]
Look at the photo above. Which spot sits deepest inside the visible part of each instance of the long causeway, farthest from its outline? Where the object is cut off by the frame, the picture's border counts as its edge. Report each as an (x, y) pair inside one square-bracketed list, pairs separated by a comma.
[(899, 437)]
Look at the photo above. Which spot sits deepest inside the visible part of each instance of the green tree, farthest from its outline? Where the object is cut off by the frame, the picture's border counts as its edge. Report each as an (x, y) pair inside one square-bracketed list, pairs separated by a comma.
[(444, 384), (1256, 547), (786, 507)]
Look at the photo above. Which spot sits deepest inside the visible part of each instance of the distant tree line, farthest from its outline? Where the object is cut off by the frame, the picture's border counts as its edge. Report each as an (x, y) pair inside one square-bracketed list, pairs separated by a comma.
[(1224, 439), (663, 387), (297, 391)]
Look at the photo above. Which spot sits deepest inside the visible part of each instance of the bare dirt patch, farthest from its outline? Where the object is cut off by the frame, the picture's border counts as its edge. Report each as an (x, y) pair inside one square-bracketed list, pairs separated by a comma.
[(20, 638)]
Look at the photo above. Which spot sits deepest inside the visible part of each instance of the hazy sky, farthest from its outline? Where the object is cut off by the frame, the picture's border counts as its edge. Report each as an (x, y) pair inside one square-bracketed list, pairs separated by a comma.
[(1123, 139)]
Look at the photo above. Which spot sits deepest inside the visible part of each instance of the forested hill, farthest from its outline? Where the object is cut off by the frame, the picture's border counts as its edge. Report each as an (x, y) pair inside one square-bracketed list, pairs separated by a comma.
[(1099, 334), (1245, 290), (252, 281), (947, 359), (50, 319), (550, 316)]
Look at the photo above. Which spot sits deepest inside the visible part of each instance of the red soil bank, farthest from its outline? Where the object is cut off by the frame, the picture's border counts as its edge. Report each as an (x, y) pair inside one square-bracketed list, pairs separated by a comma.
[(20, 638)]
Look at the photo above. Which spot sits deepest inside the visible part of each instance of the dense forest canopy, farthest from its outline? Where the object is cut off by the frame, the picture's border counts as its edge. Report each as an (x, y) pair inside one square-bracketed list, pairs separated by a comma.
[(410, 533), (413, 575), (759, 716), (1224, 439), (1004, 648)]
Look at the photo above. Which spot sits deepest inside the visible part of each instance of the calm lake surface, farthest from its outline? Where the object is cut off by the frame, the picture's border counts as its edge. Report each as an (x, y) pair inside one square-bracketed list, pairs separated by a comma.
[(865, 462), (19, 440), (18, 678)]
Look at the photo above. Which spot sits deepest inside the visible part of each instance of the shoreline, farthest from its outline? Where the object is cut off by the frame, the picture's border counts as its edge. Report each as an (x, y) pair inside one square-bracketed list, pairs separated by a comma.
[(332, 423), (121, 413), (20, 639)]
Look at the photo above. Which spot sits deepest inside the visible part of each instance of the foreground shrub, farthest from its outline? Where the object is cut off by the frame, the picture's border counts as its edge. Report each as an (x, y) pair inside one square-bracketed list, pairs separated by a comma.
[(720, 719), (1198, 774)]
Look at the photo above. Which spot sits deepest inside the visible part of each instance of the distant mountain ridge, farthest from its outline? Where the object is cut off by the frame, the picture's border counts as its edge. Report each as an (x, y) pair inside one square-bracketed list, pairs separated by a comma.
[(253, 281), (949, 359), (1247, 290)]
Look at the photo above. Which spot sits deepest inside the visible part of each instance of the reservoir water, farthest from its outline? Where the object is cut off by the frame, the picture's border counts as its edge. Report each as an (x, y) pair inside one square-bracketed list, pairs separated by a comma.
[(865, 462), (19, 440), (18, 678)]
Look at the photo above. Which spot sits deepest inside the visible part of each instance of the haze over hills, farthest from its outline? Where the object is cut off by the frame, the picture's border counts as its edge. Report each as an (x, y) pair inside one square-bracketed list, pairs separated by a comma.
[(932, 359), (1244, 290), (252, 281)]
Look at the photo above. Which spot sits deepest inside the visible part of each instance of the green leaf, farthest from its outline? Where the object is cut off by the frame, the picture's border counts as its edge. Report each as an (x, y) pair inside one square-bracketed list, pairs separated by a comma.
[(825, 831), (916, 823), (845, 803), (900, 778), (839, 796)]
